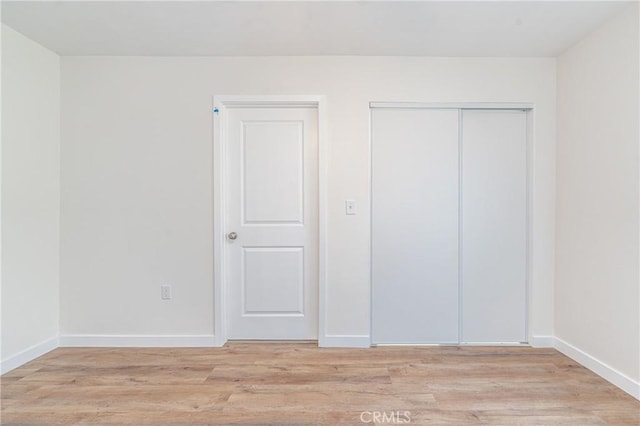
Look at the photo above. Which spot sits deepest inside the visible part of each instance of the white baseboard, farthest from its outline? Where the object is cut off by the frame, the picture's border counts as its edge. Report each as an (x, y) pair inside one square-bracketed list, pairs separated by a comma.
[(142, 341), (603, 370), (27, 355), (219, 341), (344, 341), (543, 341)]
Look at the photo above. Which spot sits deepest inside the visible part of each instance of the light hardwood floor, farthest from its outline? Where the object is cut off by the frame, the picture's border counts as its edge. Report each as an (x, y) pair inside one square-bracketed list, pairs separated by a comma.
[(276, 383)]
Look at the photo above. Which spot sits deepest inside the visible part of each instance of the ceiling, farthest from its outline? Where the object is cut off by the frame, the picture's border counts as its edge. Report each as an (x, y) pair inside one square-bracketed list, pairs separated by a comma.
[(248, 28)]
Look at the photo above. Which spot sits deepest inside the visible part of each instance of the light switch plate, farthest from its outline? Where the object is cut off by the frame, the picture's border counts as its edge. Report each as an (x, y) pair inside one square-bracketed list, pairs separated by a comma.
[(350, 207), (165, 292)]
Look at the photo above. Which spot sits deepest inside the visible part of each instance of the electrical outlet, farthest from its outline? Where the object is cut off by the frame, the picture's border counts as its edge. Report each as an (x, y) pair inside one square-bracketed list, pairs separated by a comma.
[(165, 292)]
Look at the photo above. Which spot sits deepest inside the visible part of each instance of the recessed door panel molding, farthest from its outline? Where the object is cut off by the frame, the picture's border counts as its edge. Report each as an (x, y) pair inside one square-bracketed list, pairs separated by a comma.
[(273, 281), (271, 220), (414, 226), (494, 226), (272, 172)]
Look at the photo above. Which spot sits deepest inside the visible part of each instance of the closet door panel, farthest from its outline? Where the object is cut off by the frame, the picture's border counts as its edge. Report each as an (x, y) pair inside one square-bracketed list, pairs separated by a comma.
[(414, 226), (494, 226)]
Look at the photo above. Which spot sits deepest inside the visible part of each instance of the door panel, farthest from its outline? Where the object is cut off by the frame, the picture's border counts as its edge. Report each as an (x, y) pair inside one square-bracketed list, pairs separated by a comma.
[(272, 205), (272, 171), (273, 281), (494, 226), (414, 226)]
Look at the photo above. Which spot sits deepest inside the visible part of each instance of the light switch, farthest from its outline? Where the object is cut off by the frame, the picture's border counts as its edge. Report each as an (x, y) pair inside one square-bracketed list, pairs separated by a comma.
[(350, 207)]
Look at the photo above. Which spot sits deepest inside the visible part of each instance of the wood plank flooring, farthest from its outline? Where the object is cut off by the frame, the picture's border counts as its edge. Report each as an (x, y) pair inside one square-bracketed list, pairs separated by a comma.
[(299, 383)]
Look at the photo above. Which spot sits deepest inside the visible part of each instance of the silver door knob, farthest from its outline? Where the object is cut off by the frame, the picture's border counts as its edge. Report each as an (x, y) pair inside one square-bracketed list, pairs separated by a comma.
[(232, 235)]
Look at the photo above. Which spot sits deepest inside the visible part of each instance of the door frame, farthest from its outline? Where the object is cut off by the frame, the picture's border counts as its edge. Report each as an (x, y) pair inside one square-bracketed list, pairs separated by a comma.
[(528, 108), (220, 105)]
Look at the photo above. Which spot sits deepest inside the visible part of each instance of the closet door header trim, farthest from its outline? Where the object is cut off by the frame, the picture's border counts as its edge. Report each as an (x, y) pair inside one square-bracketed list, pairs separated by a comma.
[(479, 105)]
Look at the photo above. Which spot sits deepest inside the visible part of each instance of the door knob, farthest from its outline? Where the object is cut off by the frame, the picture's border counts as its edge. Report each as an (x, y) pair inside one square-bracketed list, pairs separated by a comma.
[(232, 235)]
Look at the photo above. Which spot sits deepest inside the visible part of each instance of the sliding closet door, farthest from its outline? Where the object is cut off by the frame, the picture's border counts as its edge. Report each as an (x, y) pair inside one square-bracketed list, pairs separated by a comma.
[(414, 225), (494, 226)]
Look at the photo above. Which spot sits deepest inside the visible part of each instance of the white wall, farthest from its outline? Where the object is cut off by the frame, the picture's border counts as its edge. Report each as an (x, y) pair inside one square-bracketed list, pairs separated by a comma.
[(597, 305), (30, 194), (137, 176)]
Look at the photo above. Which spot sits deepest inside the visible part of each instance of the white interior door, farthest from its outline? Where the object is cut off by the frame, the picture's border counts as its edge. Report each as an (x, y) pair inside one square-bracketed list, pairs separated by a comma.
[(271, 201), (494, 225), (414, 225)]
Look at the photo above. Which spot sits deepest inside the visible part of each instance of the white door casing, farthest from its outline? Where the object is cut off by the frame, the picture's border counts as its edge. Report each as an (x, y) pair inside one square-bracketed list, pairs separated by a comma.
[(267, 287)]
